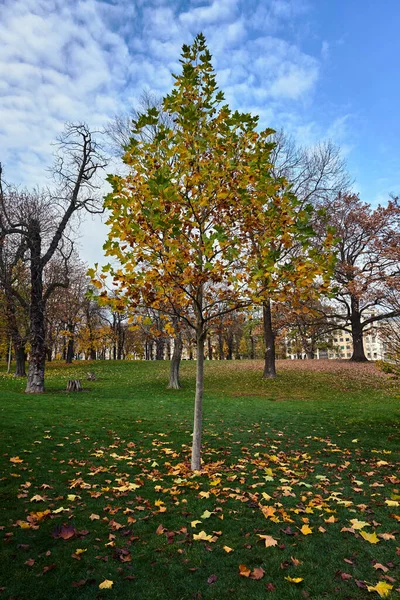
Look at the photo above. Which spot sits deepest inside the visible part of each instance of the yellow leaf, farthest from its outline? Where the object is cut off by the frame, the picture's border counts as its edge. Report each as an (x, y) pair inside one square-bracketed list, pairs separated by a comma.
[(202, 536), (16, 459), (94, 517), (206, 514), (79, 551), (392, 502), (194, 523), (294, 579), (268, 539), (382, 588), (227, 549), (71, 497), (306, 530), (59, 510), (106, 585), (356, 524), (372, 538)]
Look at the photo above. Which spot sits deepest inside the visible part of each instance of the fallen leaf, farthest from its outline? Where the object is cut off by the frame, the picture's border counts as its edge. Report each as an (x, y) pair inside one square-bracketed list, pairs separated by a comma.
[(258, 573), (372, 538), (227, 549), (294, 579), (206, 514), (94, 517), (269, 540), (382, 588), (356, 524), (381, 567), (16, 460), (306, 530), (30, 562), (244, 571), (106, 585), (212, 579), (203, 536)]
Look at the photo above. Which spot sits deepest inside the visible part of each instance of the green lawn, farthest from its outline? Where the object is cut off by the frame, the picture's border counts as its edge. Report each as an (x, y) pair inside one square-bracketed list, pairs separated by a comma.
[(109, 469)]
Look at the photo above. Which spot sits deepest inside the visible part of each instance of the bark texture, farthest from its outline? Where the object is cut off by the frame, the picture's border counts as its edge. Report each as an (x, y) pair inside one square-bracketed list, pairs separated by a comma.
[(269, 340), (357, 333), (37, 358), (198, 403), (174, 381)]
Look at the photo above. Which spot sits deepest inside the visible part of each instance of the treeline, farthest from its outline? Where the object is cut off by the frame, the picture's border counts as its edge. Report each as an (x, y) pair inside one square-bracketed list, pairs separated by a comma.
[(231, 243)]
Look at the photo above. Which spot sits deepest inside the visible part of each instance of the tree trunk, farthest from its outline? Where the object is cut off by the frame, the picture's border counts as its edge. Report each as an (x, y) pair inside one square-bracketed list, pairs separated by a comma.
[(159, 348), (220, 345), (92, 354), (269, 340), (37, 356), (357, 333), (198, 403), (252, 348), (20, 358), (174, 382), (210, 348), (70, 351)]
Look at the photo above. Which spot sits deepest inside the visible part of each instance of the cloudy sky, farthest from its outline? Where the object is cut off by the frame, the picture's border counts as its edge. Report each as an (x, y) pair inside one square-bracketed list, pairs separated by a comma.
[(318, 68)]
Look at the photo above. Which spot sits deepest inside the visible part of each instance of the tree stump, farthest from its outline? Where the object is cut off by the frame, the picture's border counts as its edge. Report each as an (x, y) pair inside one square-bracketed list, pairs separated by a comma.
[(91, 376), (74, 385)]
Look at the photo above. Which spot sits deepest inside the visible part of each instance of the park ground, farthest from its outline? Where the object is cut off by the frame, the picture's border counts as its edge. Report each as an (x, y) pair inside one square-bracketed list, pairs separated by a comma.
[(298, 498)]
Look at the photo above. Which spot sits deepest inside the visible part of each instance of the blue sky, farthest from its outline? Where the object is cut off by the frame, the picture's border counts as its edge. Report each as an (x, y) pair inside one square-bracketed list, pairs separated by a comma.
[(321, 69)]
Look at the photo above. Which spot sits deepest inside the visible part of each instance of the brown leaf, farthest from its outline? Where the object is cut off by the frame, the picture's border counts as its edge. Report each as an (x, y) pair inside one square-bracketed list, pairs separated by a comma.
[(30, 562), (381, 567), (49, 568), (258, 573), (270, 587), (65, 532), (212, 579)]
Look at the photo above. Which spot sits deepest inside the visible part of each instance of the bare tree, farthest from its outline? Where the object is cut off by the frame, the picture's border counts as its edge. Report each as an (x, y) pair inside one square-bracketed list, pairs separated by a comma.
[(41, 219)]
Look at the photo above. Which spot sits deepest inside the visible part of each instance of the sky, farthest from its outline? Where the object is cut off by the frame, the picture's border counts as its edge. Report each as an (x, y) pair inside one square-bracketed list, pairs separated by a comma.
[(319, 69)]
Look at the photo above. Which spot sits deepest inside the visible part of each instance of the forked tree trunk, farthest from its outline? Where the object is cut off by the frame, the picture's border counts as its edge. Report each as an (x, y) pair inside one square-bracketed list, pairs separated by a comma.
[(269, 340), (20, 358), (174, 381), (37, 356), (198, 402), (357, 333)]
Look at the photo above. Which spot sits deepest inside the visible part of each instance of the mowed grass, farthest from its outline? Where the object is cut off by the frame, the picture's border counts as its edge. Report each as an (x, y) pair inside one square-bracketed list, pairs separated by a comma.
[(316, 448)]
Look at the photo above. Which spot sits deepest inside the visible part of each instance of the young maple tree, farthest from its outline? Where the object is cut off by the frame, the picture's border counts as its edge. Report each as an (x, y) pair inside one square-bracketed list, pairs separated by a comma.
[(183, 220)]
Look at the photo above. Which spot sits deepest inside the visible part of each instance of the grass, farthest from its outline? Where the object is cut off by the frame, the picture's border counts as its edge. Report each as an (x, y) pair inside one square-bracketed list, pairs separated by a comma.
[(304, 448)]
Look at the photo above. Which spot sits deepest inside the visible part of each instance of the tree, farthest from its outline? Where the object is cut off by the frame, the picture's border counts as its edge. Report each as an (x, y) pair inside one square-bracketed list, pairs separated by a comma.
[(41, 219), (181, 221), (315, 175), (367, 273)]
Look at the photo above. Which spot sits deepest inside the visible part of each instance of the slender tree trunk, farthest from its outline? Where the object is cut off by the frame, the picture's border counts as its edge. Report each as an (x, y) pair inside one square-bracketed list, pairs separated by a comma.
[(9, 357), (198, 403), (209, 347), (357, 333), (221, 345), (70, 351), (174, 381), (20, 357), (37, 356), (252, 347), (92, 354), (269, 339)]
